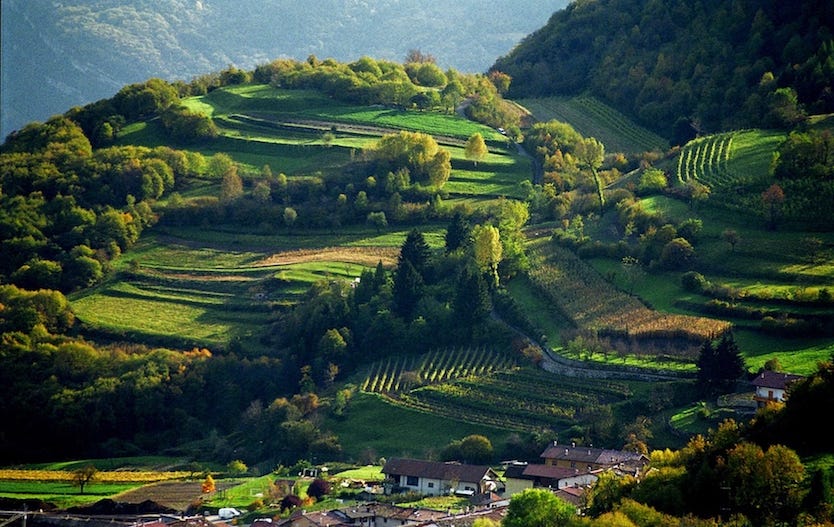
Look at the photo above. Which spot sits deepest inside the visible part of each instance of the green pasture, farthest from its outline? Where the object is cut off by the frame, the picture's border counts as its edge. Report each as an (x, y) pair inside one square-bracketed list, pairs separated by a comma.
[(543, 315), (373, 425), (281, 104), (699, 418), (236, 248), (752, 151), (592, 118), (153, 315), (366, 473), (208, 287), (62, 494), (292, 157), (243, 493), (143, 463)]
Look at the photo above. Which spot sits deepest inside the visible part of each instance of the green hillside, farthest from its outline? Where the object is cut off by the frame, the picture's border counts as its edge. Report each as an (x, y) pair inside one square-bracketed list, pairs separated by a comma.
[(680, 67), (593, 118), (320, 262)]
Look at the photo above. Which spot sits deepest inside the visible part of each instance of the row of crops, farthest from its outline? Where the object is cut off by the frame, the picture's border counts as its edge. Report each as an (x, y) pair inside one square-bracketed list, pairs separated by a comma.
[(593, 118), (592, 303), (705, 159), (728, 160), (520, 399), (400, 373)]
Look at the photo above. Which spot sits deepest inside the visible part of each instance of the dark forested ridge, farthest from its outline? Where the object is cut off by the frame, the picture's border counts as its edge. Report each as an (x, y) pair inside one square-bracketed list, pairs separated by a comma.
[(717, 65), (60, 54)]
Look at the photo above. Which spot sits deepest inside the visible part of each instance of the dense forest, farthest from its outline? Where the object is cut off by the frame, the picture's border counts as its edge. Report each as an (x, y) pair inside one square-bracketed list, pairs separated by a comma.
[(76, 195), (683, 68)]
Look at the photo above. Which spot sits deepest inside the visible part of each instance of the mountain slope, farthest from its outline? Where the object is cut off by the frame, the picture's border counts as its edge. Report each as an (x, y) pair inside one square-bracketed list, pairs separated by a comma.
[(717, 65), (56, 55)]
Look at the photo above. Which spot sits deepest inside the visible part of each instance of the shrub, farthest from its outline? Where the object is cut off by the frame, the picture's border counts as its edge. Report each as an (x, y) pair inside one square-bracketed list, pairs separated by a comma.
[(653, 180), (694, 282), (677, 254), (290, 502), (318, 488), (690, 229)]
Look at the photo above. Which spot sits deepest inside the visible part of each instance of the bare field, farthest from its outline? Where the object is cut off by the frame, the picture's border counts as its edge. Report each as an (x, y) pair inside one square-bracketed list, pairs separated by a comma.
[(174, 494)]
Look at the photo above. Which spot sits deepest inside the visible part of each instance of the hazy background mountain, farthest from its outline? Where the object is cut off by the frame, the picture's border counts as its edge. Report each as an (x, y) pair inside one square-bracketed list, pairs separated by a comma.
[(58, 54)]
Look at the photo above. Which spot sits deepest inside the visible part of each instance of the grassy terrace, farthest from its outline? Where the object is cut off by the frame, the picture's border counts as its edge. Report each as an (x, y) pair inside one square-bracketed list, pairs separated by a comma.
[(278, 105)]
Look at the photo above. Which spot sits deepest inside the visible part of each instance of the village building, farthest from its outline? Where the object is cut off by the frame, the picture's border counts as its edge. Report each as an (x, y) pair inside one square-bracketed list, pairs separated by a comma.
[(589, 458), (772, 386), (436, 478), (522, 476)]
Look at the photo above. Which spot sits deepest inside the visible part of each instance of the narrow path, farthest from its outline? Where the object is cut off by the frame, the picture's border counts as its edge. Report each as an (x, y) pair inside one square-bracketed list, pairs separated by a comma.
[(557, 364)]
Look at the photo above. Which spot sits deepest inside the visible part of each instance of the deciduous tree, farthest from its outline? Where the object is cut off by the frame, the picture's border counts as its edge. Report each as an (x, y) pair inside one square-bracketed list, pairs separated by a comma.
[(538, 507), (772, 199), (318, 488), (488, 251), (378, 220), (590, 153), (476, 148), (83, 476), (208, 485)]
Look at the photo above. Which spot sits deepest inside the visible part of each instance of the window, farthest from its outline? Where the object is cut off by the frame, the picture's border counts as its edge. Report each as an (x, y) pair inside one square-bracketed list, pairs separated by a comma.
[(431, 484), (411, 481)]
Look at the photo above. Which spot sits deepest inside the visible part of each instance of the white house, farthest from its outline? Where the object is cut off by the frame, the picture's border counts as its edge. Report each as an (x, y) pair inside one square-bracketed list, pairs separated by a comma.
[(772, 386), (436, 478)]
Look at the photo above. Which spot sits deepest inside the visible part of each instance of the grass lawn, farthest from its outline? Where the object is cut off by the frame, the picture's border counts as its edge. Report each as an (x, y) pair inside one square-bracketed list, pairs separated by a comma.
[(366, 473), (373, 426), (699, 418)]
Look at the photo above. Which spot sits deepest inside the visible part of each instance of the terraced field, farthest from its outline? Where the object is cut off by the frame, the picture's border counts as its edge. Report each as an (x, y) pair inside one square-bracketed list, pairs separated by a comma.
[(211, 286), (593, 118), (518, 399), (204, 294), (592, 303), (730, 160)]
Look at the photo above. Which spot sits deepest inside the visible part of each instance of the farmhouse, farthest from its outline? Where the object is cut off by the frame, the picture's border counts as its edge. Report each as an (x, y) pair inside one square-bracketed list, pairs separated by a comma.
[(772, 386), (521, 476), (436, 478), (590, 458)]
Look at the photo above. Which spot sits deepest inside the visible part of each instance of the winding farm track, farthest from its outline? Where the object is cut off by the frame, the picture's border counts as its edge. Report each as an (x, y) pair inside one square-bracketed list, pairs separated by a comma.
[(554, 363), (314, 125)]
